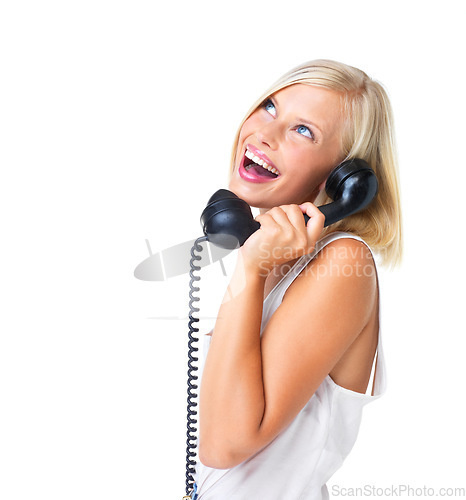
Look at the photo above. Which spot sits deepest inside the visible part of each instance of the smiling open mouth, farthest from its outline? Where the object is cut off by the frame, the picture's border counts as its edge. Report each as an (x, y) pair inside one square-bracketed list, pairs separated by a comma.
[(260, 167)]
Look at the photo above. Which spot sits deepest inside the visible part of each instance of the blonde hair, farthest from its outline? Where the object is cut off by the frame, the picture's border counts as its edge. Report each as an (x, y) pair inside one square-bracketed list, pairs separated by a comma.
[(367, 134)]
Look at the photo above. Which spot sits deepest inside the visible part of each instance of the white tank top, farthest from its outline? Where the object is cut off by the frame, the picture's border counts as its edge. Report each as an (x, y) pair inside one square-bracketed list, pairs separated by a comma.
[(297, 464)]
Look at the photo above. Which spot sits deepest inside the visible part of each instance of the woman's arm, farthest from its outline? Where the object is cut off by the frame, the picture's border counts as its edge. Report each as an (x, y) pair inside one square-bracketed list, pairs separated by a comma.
[(252, 388), (232, 396)]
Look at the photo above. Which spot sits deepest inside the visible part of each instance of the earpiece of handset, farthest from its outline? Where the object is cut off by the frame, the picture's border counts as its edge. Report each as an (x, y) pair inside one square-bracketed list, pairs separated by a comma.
[(352, 185), (227, 220)]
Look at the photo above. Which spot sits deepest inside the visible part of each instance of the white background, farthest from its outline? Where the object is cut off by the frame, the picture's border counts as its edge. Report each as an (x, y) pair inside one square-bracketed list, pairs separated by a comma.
[(117, 120)]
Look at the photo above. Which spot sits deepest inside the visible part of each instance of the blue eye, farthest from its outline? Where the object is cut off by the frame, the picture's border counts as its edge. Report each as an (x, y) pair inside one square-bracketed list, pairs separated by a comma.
[(270, 107), (303, 130)]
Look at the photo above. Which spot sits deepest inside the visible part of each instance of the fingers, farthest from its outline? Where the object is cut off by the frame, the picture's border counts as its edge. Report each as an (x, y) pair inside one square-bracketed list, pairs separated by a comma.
[(295, 215), (284, 234), (287, 218), (287, 223), (291, 217), (292, 214), (316, 221)]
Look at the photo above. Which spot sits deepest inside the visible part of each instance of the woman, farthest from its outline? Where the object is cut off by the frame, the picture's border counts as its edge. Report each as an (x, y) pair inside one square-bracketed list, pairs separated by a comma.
[(290, 358)]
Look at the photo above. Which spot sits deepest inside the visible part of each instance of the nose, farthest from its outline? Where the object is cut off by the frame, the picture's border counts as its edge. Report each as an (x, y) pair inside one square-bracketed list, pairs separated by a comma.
[(269, 134)]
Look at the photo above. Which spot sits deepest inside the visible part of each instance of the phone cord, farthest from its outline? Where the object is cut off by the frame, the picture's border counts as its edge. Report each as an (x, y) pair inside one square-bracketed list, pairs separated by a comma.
[(191, 441)]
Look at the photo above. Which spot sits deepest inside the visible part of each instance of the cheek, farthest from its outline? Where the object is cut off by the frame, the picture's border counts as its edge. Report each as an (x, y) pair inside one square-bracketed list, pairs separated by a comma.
[(315, 164), (310, 169), (248, 127), (303, 161), (243, 134)]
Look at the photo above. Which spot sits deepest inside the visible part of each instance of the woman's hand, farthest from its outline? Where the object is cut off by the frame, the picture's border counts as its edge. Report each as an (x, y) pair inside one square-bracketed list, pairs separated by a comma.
[(283, 236)]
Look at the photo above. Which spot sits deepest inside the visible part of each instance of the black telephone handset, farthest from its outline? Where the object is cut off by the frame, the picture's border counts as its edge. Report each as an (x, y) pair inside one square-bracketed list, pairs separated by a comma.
[(227, 220)]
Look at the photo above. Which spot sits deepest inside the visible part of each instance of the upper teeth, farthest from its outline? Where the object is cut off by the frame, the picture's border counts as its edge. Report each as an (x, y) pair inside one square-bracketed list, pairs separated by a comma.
[(261, 162)]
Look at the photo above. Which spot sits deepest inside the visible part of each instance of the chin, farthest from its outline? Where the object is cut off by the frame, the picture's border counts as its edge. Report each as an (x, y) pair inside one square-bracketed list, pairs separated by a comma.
[(246, 193), (266, 196), (235, 187)]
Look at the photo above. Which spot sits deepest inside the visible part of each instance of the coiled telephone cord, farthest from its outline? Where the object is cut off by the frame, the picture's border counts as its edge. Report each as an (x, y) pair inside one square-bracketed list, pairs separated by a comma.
[(191, 441)]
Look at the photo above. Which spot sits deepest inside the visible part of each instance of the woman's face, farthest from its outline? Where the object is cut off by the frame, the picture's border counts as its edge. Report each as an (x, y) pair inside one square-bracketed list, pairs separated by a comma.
[(296, 132)]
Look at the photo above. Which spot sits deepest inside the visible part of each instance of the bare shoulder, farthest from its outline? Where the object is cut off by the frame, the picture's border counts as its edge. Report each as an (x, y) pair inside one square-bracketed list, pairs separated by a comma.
[(342, 278), (346, 251), (344, 266)]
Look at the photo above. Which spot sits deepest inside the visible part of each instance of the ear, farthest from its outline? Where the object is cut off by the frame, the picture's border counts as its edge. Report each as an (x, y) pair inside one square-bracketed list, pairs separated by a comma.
[(322, 185)]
